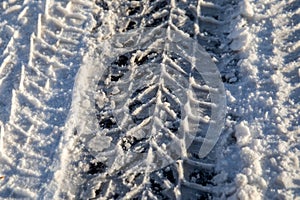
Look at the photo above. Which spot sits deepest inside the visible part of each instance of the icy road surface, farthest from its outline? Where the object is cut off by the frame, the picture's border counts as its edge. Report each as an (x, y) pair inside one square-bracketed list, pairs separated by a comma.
[(177, 99)]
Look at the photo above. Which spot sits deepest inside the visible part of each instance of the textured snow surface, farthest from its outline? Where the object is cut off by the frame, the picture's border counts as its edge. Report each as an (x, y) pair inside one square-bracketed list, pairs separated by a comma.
[(96, 103)]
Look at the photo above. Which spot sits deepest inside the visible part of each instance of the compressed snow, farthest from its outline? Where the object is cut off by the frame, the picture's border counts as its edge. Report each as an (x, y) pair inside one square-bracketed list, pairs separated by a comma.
[(99, 143)]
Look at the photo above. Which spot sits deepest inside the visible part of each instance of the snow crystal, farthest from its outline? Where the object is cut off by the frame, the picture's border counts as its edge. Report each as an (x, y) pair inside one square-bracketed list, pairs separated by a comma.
[(284, 179), (246, 9), (241, 179), (249, 155), (242, 133), (248, 192)]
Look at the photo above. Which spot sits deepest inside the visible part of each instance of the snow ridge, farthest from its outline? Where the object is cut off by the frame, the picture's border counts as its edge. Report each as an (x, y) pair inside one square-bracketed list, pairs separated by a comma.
[(49, 62), (265, 134)]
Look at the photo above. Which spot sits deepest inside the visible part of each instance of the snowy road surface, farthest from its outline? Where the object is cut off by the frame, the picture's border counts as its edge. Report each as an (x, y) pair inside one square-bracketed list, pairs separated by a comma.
[(120, 99)]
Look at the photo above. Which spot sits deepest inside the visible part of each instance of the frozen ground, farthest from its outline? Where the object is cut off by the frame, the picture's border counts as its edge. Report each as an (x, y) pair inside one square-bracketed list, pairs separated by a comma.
[(95, 105)]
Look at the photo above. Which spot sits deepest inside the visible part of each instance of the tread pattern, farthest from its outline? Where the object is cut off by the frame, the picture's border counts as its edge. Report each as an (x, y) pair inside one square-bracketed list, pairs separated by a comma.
[(190, 176), (41, 100), (15, 32)]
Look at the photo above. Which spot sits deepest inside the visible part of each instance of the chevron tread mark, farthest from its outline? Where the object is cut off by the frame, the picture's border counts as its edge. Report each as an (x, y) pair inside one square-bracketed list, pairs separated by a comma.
[(188, 176), (42, 96)]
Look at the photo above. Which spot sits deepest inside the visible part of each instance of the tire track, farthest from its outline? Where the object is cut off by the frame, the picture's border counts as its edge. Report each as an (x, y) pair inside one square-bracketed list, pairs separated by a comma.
[(192, 176), (260, 101), (44, 157), (41, 101), (287, 44), (15, 32), (13, 59)]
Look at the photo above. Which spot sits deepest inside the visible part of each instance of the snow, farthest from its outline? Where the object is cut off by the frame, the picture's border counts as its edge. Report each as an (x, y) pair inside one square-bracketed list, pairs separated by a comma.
[(53, 54), (240, 40), (254, 134), (242, 133), (246, 9)]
